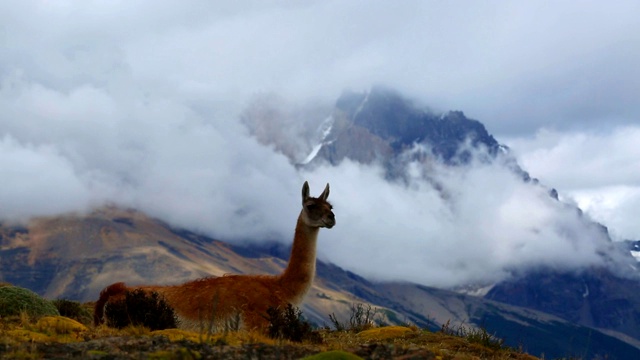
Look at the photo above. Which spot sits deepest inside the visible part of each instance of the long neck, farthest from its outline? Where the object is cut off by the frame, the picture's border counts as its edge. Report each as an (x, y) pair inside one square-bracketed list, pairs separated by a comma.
[(299, 274)]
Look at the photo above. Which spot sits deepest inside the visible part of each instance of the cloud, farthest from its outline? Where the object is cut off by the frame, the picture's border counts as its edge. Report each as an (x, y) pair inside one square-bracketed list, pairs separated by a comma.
[(89, 147), (69, 151), (517, 66), (137, 103), (36, 180), (597, 170), (615, 206), (489, 226)]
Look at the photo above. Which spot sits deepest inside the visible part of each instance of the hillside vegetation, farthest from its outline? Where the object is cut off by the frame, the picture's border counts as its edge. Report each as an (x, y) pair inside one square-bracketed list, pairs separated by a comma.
[(31, 334)]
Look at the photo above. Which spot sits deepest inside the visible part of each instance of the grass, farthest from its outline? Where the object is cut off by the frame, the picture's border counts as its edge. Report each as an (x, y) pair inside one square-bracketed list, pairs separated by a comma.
[(31, 340), (473, 335), (437, 344), (29, 336)]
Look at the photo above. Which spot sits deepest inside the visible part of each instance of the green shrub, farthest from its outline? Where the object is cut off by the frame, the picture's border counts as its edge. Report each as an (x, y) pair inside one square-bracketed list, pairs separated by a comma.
[(288, 323), (73, 310), (141, 309), (14, 300)]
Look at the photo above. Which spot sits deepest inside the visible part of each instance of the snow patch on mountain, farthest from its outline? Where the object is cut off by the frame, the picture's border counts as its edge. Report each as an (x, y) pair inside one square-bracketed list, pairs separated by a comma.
[(312, 155), (475, 290), (362, 104), (324, 130)]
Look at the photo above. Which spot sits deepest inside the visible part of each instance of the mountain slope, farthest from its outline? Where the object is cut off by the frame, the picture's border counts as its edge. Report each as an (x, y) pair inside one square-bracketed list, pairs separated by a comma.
[(593, 297), (74, 256), (536, 332)]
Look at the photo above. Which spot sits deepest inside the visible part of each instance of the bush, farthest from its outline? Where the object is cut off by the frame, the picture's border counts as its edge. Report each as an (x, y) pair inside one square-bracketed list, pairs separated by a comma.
[(288, 323), (361, 318), (14, 300), (141, 309), (73, 310), (478, 336)]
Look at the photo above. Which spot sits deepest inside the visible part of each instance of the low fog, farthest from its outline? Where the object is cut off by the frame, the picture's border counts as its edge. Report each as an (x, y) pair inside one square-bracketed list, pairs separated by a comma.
[(139, 105)]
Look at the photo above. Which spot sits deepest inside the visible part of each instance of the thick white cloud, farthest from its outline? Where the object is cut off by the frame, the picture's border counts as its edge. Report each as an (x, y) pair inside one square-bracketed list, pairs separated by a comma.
[(516, 66), (616, 206), (487, 225), (598, 170), (89, 147), (136, 103), (36, 180)]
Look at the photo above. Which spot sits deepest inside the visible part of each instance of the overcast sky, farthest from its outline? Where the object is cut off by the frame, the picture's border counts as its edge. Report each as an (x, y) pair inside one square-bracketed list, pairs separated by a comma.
[(136, 103)]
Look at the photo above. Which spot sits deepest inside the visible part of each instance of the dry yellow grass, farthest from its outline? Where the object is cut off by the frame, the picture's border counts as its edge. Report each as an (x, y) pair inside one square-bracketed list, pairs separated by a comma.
[(385, 333), (441, 346), (21, 336)]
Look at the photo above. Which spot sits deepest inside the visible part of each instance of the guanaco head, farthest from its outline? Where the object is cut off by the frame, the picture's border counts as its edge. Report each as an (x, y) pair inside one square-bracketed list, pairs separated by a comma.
[(316, 212)]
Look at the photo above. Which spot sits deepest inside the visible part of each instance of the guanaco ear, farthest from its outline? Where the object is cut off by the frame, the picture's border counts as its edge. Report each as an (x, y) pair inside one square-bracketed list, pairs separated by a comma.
[(305, 192), (325, 193)]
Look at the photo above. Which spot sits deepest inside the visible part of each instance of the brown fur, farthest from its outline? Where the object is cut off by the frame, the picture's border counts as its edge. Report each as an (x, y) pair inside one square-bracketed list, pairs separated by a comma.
[(216, 300), (112, 292)]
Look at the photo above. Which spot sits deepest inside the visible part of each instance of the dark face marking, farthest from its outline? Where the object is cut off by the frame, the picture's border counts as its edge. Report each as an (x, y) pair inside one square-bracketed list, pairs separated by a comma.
[(319, 212)]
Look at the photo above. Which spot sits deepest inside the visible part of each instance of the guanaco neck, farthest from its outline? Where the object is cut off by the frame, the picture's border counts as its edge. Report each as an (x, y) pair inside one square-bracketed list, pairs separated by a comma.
[(299, 274)]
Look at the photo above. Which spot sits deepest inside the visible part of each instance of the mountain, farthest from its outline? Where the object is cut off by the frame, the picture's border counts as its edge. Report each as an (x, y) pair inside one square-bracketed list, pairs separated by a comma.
[(632, 246), (376, 126), (380, 125), (586, 313), (592, 297), (74, 256)]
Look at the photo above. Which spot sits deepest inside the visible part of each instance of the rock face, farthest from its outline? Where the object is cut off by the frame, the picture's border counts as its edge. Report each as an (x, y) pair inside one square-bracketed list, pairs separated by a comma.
[(593, 297), (381, 125), (290, 129)]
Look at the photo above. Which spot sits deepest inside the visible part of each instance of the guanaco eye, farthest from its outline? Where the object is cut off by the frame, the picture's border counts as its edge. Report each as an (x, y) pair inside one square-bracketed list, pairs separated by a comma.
[(312, 207)]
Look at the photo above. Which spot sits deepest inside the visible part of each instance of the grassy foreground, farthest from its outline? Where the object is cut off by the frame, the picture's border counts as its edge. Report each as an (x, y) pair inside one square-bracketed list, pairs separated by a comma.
[(58, 337), (34, 328)]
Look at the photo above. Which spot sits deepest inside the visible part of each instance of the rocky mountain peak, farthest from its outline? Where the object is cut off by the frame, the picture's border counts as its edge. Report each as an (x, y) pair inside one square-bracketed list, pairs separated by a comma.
[(381, 124), (378, 125)]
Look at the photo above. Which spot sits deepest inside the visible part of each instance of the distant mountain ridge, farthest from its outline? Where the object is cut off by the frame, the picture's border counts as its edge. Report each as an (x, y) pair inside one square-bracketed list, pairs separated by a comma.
[(376, 126), (75, 255)]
